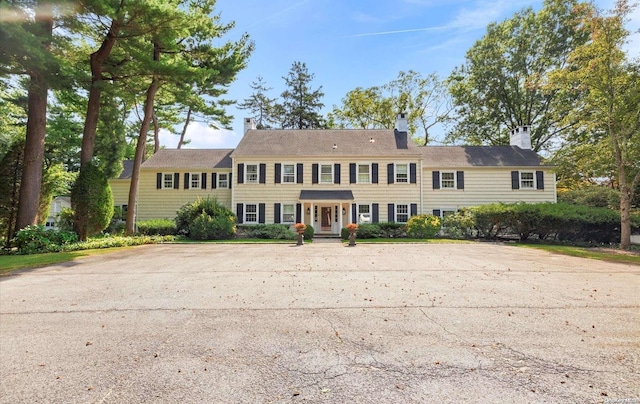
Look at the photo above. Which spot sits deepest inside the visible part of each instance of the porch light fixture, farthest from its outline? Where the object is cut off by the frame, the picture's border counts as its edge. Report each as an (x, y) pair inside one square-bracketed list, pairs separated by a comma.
[(308, 211), (344, 212)]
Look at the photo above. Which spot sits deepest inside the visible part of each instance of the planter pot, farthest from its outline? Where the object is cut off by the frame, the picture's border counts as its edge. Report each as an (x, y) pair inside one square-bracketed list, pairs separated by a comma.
[(352, 239), (300, 237)]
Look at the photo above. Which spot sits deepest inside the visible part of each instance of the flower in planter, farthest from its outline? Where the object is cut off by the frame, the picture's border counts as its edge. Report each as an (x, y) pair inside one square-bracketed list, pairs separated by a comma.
[(299, 226), (352, 227)]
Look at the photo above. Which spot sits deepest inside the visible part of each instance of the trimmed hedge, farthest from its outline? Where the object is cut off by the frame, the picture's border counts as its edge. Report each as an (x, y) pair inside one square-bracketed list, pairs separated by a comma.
[(267, 231), (157, 227)]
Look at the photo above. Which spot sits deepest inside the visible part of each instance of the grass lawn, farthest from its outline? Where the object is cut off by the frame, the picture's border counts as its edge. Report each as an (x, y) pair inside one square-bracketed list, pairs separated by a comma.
[(609, 254), (10, 263)]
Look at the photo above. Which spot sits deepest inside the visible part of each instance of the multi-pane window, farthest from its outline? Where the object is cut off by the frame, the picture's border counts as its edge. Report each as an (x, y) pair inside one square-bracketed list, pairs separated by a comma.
[(194, 180), (251, 213), (364, 173), (526, 180), (364, 214), (402, 171), (448, 179), (326, 174), (223, 180), (288, 174), (251, 175), (288, 213), (167, 180), (402, 213)]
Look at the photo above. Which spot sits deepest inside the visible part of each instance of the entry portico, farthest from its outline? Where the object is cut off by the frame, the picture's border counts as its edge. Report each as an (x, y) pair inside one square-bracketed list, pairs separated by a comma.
[(325, 210)]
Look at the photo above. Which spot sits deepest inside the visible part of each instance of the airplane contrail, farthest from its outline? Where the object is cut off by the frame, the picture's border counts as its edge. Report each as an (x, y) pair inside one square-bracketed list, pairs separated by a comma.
[(276, 14), (403, 31)]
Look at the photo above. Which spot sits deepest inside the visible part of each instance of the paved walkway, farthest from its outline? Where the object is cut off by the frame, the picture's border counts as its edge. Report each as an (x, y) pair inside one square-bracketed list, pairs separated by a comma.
[(322, 323)]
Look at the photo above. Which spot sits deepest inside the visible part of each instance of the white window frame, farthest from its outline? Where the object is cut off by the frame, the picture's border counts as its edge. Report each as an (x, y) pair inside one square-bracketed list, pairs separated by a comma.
[(361, 218), (291, 176), (223, 183), (248, 180), (283, 213), (167, 180), (453, 181), (399, 180), (398, 213), (358, 165), (531, 180), (330, 173), (247, 213), (191, 180)]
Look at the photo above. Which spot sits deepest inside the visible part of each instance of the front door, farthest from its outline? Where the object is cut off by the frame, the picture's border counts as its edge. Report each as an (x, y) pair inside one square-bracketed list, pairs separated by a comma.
[(326, 218)]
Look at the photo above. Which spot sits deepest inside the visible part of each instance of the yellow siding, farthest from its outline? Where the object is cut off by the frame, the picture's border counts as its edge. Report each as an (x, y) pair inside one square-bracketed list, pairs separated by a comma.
[(483, 186), (120, 191), (164, 203)]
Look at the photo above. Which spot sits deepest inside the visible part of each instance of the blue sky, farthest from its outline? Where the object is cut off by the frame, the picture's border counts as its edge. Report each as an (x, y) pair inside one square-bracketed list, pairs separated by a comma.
[(352, 43)]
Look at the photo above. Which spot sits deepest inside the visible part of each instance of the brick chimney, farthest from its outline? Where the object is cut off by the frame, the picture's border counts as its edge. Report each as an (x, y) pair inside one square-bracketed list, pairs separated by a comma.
[(249, 123), (521, 137)]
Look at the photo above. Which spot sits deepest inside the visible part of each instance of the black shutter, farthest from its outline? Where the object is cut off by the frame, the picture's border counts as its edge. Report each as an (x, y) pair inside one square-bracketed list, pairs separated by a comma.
[(263, 173), (352, 173), (186, 180), (414, 209), (390, 179), (374, 173), (261, 209), (298, 213), (300, 173), (391, 213), (203, 184), (278, 175), (436, 212), (354, 213), (158, 180), (314, 173), (375, 216), (176, 180), (539, 179), (436, 179), (240, 173), (240, 212), (336, 173), (460, 179), (214, 181), (412, 173), (230, 182), (276, 213), (515, 180)]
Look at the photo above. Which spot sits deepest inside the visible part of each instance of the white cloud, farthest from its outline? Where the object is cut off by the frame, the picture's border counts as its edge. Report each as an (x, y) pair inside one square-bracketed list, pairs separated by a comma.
[(201, 136)]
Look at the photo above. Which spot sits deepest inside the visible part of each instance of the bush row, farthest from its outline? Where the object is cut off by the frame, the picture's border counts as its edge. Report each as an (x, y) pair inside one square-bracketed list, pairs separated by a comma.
[(419, 226)]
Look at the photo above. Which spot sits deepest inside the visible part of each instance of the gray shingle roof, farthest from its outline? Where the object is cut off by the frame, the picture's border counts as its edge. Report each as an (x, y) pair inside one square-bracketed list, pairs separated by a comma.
[(127, 170), (478, 156), (190, 158), (320, 142), (342, 195)]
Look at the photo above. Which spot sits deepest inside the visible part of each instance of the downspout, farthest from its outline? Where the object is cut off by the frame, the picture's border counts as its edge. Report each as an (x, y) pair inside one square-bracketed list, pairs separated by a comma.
[(421, 186)]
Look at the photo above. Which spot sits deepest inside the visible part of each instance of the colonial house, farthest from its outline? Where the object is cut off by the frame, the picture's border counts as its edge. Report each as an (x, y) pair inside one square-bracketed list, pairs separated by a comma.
[(328, 178)]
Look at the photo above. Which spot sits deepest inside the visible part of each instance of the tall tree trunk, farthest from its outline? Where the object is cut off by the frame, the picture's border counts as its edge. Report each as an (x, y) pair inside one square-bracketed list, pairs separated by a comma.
[(184, 128), (156, 133), (29, 200), (141, 146)]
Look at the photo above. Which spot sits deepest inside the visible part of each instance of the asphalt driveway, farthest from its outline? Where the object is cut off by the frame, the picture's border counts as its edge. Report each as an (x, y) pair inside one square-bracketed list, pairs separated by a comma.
[(390, 323)]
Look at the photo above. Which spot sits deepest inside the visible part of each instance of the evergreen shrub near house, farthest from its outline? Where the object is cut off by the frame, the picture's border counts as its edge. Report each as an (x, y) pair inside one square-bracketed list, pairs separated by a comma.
[(36, 239), (157, 227), (205, 219), (92, 201), (266, 231), (423, 226), (459, 225), (392, 230), (309, 233)]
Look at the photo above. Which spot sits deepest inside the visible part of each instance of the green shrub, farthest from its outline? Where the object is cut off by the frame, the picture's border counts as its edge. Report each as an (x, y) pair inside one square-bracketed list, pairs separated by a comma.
[(595, 196), (65, 219), (266, 231), (423, 226), (157, 227), (35, 239), (92, 201), (489, 219), (309, 232), (459, 225), (220, 223), (368, 230), (392, 230), (344, 233)]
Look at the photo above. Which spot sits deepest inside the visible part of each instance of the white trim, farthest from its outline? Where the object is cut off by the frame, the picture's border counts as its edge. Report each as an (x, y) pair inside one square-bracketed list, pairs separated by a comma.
[(245, 213), (172, 181), (396, 213), (199, 186), (218, 180), (395, 173), (358, 173), (246, 173), (533, 181), (293, 220), (455, 179), (295, 173), (358, 214), (332, 166)]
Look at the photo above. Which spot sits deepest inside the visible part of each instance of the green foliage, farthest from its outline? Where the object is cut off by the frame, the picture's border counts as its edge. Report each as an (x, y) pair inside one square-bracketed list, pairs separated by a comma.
[(10, 178), (596, 196), (368, 230), (423, 226), (459, 225), (35, 239), (309, 232), (488, 219), (392, 229), (267, 231), (92, 201), (157, 227), (65, 219), (260, 105), (300, 107), (205, 219)]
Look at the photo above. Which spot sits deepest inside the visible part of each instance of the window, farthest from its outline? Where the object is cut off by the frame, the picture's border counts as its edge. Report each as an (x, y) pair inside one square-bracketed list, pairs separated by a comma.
[(402, 213), (402, 173), (251, 174), (448, 180), (251, 213), (364, 171), (288, 174), (223, 180), (288, 213), (326, 174), (526, 180), (194, 180), (364, 214), (167, 181)]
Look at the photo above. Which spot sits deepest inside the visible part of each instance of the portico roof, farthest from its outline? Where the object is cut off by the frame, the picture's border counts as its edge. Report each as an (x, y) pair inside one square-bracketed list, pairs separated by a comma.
[(313, 195)]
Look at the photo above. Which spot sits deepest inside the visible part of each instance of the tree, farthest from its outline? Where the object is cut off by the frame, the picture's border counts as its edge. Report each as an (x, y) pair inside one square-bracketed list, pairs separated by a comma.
[(92, 201), (364, 108), (10, 177), (260, 105), (609, 109), (300, 104), (502, 84)]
